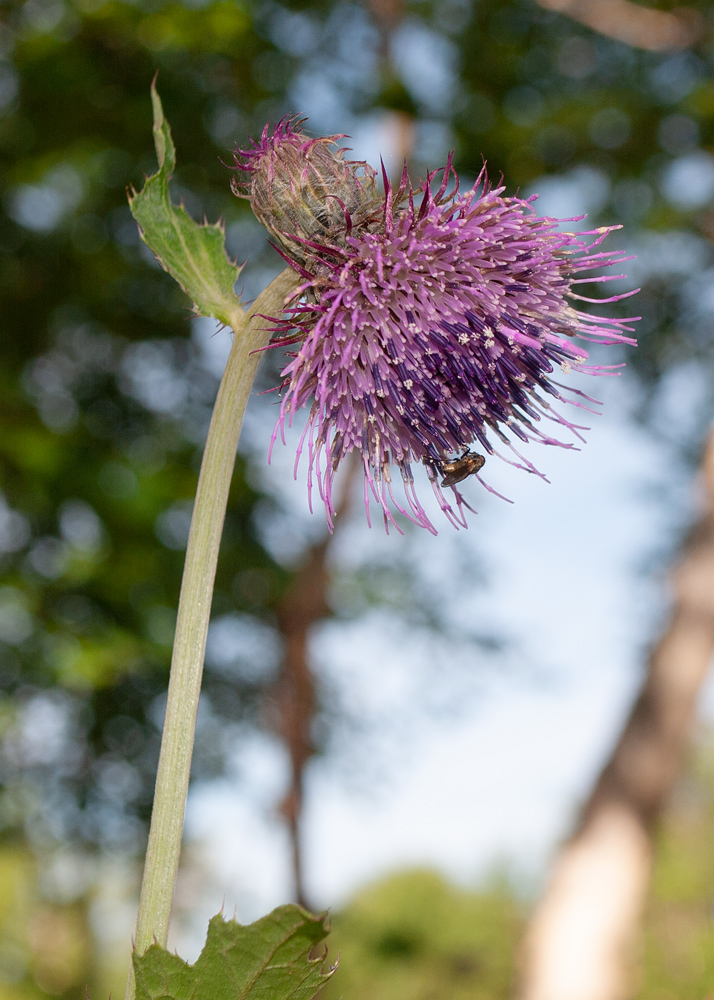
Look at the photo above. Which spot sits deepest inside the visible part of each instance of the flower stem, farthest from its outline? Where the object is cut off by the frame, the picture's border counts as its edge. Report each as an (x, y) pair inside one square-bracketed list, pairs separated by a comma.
[(164, 847)]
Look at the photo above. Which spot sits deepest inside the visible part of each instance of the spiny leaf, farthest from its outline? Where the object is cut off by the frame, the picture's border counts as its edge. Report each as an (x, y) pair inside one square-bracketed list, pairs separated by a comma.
[(193, 254), (267, 960)]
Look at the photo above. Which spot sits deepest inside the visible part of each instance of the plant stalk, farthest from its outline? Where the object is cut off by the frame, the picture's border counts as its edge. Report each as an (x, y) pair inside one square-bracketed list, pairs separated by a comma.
[(194, 610)]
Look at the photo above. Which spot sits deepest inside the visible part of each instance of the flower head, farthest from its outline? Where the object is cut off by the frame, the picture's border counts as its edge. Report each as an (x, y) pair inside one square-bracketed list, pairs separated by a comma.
[(439, 330), (303, 190)]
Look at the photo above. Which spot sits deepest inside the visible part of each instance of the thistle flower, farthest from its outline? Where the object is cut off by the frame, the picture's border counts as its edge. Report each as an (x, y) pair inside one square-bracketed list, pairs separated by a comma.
[(438, 329), (303, 189)]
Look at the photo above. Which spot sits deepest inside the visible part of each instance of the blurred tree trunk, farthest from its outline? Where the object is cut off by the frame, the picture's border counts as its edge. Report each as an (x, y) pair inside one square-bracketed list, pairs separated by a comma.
[(582, 938), (303, 605), (634, 24)]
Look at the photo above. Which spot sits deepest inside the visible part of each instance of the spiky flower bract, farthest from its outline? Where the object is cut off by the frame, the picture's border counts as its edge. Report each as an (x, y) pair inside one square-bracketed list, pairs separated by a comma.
[(303, 189), (442, 329)]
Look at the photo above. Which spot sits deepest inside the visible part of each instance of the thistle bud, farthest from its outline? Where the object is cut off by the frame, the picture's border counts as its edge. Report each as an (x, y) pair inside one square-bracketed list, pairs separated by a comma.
[(304, 192)]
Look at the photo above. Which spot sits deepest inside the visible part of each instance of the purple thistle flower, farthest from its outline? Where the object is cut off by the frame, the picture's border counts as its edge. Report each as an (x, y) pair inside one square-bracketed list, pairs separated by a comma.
[(436, 329)]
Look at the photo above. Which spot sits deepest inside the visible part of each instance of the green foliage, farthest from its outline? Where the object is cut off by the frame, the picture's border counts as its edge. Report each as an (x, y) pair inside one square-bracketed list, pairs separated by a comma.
[(45, 947), (679, 930), (193, 254), (414, 935), (104, 404), (267, 960)]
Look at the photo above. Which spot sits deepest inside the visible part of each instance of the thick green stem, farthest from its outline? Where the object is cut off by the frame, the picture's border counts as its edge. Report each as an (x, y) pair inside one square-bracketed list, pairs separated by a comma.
[(164, 847)]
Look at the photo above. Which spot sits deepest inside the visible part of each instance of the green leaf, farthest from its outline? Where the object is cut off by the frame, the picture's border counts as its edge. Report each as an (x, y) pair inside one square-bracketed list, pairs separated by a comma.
[(267, 960), (193, 254)]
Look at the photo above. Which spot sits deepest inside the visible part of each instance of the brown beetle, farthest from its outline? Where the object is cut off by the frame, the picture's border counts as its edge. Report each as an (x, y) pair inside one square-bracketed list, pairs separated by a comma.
[(459, 468)]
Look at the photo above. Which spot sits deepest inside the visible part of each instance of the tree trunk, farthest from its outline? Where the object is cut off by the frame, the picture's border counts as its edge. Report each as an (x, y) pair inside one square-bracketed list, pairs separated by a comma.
[(633, 23), (580, 945), (303, 605)]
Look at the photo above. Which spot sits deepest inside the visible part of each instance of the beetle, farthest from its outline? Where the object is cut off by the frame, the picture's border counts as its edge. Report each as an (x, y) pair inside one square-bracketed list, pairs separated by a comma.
[(458, 469)]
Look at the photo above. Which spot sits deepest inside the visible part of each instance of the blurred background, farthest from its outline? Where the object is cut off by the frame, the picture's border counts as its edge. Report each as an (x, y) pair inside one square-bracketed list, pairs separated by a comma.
[(489, 753)]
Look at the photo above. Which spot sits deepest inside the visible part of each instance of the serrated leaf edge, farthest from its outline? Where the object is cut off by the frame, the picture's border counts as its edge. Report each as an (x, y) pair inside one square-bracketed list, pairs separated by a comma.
[(321, 918), (166, 155)]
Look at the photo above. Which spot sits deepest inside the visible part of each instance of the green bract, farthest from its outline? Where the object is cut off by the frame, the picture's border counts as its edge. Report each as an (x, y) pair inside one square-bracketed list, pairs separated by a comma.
[(193, 254)]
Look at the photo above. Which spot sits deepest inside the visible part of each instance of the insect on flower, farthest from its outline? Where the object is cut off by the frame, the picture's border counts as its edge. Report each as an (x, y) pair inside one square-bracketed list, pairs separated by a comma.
[(460, 468), (429, 325)]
